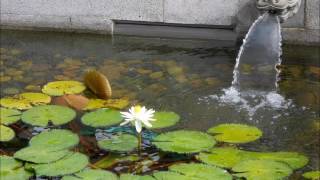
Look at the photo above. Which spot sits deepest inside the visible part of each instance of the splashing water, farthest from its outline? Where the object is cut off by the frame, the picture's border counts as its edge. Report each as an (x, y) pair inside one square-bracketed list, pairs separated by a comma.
[(255, 75)]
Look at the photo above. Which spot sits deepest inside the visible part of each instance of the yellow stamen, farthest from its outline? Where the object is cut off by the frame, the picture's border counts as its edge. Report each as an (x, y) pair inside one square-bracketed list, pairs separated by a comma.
[(137, 108)]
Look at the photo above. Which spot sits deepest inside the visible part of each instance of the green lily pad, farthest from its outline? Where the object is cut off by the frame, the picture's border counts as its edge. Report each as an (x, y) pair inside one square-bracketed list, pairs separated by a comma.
[(42, 115), (123, 142), (228, 157), (67, 165), (164, 119), (102, 118), (59, 88), (6, 133), (25, 100), (221, 157), (314, 175), (92, 174), (9, 116), (235, 133), (135, 177), (184, 141), (262, 170), (8, 163), (168, 175), (56, 139), (114, 158), (39, 154), (12, 169), (293, 159), (201, 171)]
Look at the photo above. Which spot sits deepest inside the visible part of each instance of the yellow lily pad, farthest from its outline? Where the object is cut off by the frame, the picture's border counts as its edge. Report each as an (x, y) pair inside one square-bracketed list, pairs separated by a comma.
[(235, 133), (25, 100), (59, 88), (110, 103), (6, 133)]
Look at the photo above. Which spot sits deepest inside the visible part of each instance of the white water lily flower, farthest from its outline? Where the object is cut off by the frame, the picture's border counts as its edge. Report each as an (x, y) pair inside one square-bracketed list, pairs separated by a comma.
[(138, 116)]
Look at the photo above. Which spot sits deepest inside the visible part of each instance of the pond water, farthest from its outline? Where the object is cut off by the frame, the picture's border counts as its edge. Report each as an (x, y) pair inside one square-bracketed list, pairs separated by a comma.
[(191, 78)]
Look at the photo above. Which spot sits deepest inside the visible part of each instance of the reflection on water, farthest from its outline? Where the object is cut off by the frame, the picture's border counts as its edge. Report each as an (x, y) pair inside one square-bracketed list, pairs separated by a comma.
[(189, 77)]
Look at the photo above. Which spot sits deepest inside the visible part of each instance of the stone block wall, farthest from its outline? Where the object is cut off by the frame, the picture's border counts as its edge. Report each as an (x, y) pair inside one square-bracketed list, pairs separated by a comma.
[(100, 15)]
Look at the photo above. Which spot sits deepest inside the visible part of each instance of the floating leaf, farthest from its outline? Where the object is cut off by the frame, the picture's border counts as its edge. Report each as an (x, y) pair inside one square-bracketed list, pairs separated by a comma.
[(92, 174), (135, 177), (123, 142), (98, 84), (293, 159), (6, 133), (9, 116), (42, 115), (167, 175), (221, 157), (261, 169), (25, 100), (201, 171), (55, 139), (12, 169), (113, 158), (314, 175), (228, 157), (67, 165), (102, 118), (110, 103), (59, 88), (164, 119), (184, 141), (77, 102), (40, 154), (235, 133)]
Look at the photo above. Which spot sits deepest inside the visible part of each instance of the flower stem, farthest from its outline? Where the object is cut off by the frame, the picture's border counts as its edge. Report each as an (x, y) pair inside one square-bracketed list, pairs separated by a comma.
[(139, 143)]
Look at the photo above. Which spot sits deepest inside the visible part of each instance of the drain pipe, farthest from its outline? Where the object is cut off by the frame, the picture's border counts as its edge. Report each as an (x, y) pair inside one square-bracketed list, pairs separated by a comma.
[(283, 8)]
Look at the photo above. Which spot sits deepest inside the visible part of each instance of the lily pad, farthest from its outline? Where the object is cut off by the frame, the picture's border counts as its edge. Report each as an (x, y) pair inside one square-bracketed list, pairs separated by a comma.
[(39, 154), (55, 139), (92, 174), (228, 157), (25, 100), (135, 177), (12, 169), (184, 141), (164, 119), (201, 171), (221, 157), (293, 159), (9, 116), (314, 175), (166, 175), (102, 118), (261, 169), (122, 142), (235, 133), (67, 165), (6, 133), (59, 88), (42, 115), (110, 103), (114, 158)]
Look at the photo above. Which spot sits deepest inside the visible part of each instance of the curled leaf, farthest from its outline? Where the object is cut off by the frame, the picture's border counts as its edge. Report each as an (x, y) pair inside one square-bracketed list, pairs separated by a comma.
[(98, 84)]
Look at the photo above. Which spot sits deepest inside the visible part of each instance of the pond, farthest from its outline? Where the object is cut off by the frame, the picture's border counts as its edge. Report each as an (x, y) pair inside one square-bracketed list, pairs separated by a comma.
[(190, 78)]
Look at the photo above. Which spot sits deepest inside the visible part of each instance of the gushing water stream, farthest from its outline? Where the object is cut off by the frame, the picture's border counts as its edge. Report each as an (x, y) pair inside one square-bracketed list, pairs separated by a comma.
[(255, 75)]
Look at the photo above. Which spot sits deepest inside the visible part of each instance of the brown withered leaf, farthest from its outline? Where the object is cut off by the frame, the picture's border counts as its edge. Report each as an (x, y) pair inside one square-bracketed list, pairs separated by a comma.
[(77, 102), (98, 84)]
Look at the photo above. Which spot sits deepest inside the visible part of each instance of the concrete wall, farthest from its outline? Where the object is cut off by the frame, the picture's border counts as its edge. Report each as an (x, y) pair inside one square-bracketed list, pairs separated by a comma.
[(99, 15)]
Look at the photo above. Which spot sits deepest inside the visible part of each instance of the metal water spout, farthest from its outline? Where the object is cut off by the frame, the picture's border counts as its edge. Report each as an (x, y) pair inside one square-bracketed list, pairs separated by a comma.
[(283, 8)]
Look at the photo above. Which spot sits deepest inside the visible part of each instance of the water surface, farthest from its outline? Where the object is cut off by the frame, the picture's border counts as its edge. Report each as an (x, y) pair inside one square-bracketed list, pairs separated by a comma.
[(188, 77)]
